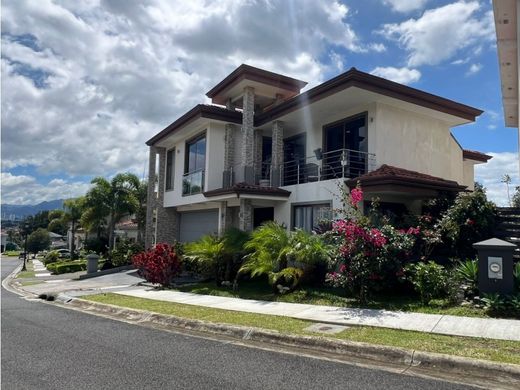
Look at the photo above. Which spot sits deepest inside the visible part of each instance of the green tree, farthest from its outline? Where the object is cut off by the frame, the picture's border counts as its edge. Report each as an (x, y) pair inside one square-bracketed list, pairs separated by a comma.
[(72, 213), (111, 200), (507, 180), (141, 193), (57, 222), (38, 220), (38, 241)]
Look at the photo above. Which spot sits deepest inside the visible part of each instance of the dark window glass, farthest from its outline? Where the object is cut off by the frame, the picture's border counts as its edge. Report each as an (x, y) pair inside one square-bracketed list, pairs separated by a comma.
[(170, 156), (196, 155), (309, 216)]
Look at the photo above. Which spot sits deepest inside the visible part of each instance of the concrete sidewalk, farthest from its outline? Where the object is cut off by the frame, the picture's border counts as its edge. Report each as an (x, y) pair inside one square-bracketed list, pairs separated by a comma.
[(501, 329)]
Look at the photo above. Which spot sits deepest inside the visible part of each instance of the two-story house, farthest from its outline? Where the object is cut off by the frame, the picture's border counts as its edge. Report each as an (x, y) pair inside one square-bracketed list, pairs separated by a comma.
[(264, 151)]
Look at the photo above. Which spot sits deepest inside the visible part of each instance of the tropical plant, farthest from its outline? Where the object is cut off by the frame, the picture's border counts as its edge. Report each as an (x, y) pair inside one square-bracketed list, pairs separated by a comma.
[(285, 280), (268, 249), (57, 222), (38, 241), (110, 201), (430, 280), (467, 272), (217, 257), (494, 303), (515, 201), (206, 255), (141, 194), (507, 180), (158, 265), (124, 251)]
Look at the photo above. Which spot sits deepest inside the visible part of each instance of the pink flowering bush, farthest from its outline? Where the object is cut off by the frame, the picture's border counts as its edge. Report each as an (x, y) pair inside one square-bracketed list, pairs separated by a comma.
[(370, 258)]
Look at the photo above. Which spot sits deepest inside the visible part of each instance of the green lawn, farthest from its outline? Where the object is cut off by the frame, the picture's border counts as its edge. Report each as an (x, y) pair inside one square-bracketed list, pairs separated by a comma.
[(11, 253), (493, 350), (259, 289), (29, 273)]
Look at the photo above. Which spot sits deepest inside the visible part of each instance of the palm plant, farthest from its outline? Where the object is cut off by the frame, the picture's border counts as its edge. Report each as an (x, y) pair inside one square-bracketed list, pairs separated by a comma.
[(467, 272), (111, 200), (206, 255)]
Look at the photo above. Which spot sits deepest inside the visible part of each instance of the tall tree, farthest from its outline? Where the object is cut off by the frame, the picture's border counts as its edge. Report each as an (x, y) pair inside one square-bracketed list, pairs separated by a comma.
[(73, 210), (112, 200), (141, 194), (57, 222), (38, 241)]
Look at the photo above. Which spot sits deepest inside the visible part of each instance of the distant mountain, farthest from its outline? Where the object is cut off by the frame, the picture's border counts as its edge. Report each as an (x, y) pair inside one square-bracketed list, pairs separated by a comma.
[(20, 211)]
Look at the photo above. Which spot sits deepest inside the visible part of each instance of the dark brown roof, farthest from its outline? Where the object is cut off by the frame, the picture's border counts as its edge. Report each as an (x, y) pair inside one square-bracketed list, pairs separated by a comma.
[(199, 111), (252, 189), (366, 81), (256, 74), (474, 155), (390, 175)]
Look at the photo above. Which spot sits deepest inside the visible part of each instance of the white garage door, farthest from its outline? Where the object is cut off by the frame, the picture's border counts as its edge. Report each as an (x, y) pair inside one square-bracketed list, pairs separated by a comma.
[(195, 224)]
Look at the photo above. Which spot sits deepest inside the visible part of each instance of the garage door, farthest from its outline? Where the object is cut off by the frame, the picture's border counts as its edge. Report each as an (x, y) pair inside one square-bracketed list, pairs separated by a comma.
[(195, 224)]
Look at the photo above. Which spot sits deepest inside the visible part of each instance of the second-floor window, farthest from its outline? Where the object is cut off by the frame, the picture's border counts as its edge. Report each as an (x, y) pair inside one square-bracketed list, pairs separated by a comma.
[(193, 181), (170, 169)]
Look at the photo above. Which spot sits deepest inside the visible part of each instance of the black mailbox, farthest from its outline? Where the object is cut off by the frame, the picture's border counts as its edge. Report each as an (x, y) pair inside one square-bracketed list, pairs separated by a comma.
[(495, 266)]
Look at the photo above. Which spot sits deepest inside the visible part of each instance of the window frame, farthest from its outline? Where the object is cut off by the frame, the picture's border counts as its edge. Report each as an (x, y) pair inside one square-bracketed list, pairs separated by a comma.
[(313, 204), (169, 182)]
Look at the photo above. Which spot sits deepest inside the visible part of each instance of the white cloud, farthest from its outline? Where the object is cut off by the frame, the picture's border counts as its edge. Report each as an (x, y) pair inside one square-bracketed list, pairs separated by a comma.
[(377, 47), (9, 180), (106, 76), (405, 5), (474, 69), (23, 189), (491, 173), (399, 75), (441, 32)]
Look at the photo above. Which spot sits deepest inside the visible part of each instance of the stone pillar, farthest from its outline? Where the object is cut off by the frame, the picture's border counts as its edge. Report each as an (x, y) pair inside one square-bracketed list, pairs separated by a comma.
[(248, 134), (229, 156), (166, 230), (258, 141), (151, 200), (246, 215), (277, 154), (224, 222)]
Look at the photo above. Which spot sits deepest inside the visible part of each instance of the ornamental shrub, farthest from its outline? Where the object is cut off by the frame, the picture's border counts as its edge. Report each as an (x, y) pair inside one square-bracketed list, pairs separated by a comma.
[(124, 251), (470, 219), (51, 257), (370, 259), (430, 280), (158, 265)]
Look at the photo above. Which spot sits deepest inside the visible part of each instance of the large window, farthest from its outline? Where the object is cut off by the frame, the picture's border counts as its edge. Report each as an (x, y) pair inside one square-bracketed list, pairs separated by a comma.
[(170, 169), (308, 217), (193, 181)]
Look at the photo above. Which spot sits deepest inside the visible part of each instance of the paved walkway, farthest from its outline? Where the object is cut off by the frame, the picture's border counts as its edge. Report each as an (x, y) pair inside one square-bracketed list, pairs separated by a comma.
[(501, 329), (40, 271)]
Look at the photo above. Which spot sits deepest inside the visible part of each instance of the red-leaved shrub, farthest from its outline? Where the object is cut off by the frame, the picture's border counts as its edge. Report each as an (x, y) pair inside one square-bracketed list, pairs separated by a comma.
[(158, 265)]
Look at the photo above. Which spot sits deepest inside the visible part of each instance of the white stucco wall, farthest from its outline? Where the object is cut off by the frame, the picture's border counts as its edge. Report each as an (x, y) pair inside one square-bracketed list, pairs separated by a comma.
[(469, 174), (213, 169), (416, 142)]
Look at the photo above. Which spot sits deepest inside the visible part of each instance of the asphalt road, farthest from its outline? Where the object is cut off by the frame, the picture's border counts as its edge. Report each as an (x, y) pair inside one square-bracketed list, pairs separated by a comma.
[(47, 347)]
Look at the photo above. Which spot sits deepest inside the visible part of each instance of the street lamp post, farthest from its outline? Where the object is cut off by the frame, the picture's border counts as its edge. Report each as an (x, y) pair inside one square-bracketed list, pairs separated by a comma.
[(26, 228)]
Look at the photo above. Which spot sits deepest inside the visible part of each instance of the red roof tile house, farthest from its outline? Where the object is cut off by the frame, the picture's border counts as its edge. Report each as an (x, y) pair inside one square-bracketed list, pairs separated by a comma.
[(266, 151)]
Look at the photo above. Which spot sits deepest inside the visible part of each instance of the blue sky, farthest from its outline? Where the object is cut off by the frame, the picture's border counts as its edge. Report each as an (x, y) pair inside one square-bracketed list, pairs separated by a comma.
[(86, 83)]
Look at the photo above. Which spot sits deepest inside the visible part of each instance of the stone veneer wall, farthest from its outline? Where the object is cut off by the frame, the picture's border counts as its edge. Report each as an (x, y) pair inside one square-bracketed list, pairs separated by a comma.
[(248, 134), (151, 201), (277, 153), (246, 215)]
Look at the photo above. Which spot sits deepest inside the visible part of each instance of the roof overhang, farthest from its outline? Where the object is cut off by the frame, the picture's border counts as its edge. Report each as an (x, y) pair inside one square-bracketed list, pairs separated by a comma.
[(378, 85), (197, 112), (266, 83), (475, 156), (506, 25), (248, 191)]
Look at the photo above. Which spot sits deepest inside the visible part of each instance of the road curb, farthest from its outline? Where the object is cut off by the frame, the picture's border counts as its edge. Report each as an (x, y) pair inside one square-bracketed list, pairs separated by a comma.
[(505, 375)]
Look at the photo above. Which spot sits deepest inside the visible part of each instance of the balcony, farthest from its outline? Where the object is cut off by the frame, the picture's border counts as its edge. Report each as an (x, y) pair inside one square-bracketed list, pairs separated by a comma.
[(193, 182), (337, 164)]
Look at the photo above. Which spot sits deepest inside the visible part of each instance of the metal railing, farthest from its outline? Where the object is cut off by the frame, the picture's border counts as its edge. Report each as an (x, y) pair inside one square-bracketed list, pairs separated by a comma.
[(336, 164), (193, 182)]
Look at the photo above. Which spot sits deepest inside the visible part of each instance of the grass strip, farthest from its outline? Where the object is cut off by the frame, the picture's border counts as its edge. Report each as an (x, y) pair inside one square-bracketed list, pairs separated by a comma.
[(477, 348), (259, 289), (27, 274)]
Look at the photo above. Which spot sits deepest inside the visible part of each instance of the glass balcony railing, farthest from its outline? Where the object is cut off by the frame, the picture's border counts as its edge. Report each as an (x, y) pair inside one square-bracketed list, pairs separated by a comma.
[(193, 182)]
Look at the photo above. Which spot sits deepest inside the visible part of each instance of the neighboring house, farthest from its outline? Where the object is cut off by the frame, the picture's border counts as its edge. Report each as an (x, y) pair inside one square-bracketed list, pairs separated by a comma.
[(265, 151), (57, 241), (507, 26), (127, 229)]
